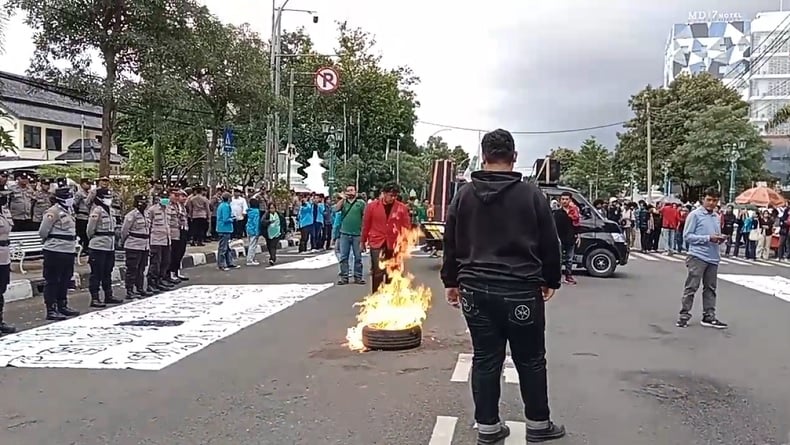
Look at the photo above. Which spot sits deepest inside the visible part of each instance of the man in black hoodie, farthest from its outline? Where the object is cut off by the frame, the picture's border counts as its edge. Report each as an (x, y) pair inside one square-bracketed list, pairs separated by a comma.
[(501, 264)]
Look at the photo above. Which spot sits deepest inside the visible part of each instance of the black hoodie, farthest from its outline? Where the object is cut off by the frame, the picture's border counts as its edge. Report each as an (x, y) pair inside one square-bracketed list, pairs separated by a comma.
[(501, 231)]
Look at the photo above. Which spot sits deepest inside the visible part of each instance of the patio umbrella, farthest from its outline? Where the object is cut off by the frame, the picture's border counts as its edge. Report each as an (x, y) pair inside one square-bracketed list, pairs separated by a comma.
[(760, 196), (670, 200)]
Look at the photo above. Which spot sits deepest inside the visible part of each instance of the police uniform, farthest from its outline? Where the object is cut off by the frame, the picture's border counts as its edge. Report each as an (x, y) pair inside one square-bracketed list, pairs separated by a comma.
[(3, 179), (42, 200), (101, 232), (177, 215), (159, 244), (21, 202), (82, 210), (135, 232), (5, 260), (58, 232)]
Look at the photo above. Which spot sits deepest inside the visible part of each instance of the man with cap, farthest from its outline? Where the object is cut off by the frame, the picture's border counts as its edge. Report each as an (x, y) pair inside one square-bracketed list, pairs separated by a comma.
[(3, 179), (177, 217), (160, 243), (199, 210), (42, 200), (21, 201), (214, 202), (155, 190), (5, 257), (82, 210), (102, 183), (135, 232), (101, 232), (58, 231)]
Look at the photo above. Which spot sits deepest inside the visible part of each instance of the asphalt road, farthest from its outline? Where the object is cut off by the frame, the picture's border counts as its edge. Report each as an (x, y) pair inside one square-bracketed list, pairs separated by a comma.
[(620, 373)]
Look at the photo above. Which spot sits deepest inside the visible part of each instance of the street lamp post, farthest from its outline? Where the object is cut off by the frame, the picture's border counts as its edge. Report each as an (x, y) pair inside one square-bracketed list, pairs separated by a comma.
[(333, 137), (667, 186), (735, 155)]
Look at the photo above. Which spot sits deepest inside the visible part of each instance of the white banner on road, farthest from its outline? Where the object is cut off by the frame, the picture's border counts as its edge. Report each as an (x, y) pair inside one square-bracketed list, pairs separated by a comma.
[(777, 286), (310, 263), (153, 333)]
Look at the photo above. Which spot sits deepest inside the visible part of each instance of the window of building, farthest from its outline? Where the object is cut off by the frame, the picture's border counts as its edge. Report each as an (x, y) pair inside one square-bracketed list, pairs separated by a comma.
[(54, 139), (32, 137)]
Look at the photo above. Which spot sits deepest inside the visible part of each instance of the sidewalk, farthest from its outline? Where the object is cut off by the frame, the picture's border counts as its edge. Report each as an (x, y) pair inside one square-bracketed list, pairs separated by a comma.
[(31, 284)]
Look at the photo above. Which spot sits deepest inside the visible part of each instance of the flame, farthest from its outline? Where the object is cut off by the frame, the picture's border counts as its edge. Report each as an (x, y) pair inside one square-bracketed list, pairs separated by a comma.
[(398, 304)]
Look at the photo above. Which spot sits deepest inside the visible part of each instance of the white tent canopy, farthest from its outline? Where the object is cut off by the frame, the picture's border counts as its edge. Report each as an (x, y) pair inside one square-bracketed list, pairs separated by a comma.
[(23, 164)]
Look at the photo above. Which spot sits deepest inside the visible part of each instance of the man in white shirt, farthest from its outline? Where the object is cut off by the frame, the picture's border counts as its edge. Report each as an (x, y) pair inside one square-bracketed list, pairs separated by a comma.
[(238, 209)]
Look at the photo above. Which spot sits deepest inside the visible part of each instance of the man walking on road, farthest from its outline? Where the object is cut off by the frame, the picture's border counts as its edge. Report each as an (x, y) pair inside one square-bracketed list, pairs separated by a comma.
[(384, 220), (703, 235), (501, 264), (350, 212)]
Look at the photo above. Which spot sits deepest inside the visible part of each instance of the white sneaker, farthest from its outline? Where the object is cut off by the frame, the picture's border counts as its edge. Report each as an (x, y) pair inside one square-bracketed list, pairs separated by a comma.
[(253, 263)]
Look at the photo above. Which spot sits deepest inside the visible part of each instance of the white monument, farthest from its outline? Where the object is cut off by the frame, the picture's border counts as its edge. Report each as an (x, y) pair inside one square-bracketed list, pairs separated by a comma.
[(315, 175)]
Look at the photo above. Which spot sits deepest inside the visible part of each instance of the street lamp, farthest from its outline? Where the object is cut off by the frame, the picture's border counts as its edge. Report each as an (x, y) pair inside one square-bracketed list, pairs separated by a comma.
[(665, 169), (333, 138), (735, 154)]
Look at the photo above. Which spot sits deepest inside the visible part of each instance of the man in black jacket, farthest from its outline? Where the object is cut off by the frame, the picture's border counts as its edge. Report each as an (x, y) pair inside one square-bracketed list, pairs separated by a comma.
[(566, 233), (501, 264)]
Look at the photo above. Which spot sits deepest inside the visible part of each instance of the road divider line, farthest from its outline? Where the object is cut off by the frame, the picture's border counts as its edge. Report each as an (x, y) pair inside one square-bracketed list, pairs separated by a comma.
[(765, 263), (643, 256), (778, 263), (443, 430), (463, 366), (738, 262), (671, 259)]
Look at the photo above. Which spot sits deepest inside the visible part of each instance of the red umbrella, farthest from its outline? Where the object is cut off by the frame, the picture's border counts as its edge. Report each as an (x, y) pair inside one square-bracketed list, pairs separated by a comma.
[(761, 197)]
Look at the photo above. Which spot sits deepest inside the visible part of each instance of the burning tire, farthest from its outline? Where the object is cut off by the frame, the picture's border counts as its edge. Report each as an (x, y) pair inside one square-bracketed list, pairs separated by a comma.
[(391, 340)]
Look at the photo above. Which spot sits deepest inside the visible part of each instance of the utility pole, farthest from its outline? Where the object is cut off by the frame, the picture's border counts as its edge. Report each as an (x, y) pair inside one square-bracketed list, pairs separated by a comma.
[(277, 82), (157, 152), (82, 147), (397, 161), (272, 56), (649, 156), (289, 147)]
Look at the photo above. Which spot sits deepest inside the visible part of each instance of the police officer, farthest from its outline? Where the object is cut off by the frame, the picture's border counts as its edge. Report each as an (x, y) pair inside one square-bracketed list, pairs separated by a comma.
[(82, 210), (102, 183), (58, 231), (135, 232), (101, 232), (5, 258), (159, 243), (3, 179), (501, 264), (155, 191), (42, 200), (21, 202), (177, 214)]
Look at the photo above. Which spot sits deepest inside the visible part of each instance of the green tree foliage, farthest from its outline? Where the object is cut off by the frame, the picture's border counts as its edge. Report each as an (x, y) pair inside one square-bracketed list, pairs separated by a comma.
[(70, 33), (592, 169), (566, 158), (705, 156), (673, 111)]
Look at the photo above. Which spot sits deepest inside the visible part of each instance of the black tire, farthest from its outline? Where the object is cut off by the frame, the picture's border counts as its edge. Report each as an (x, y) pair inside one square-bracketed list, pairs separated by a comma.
[(394, 340), (600, 263)]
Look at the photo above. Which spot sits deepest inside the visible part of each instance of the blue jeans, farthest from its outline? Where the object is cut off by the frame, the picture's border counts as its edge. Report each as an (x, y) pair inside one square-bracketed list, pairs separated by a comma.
[(668, 240), (317, 236), (350, 244), (224, 258)]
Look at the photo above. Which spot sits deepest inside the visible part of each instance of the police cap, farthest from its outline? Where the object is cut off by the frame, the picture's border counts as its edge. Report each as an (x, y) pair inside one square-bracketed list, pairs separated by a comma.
[(24, 174), (140, 199), (4, 173), (103, 193), (63, 193), (62, 182), (85, 181)]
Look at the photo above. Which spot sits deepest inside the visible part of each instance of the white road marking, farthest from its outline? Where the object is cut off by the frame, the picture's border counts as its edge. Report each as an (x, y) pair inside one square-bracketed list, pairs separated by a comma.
[(463, 368), (153, 333), (309, 263), (443, 430), (643, 256), (777, 286), (738, 262), (778, 263)]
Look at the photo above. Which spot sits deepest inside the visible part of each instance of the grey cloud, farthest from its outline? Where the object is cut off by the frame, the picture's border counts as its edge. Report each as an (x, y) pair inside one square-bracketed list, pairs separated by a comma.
[(576, 65)]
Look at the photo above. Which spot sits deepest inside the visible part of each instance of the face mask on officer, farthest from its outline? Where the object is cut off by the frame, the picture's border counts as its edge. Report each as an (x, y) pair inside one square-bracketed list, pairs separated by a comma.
[(68, 202), (107, 201), (164, 201)]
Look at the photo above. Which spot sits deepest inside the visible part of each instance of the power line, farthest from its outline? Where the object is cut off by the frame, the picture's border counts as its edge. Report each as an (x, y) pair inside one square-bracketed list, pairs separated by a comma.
[(567, 130)]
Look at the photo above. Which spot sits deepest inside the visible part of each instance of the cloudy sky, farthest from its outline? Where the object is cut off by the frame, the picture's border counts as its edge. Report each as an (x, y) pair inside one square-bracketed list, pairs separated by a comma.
[(515, 64)]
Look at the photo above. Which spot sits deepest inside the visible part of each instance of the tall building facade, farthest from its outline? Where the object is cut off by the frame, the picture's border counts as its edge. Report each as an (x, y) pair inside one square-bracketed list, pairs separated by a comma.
[(721, 48)]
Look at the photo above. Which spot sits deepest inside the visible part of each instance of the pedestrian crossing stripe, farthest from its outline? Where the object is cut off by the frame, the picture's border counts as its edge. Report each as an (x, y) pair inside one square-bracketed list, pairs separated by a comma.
[(776, 286), (724, 261), (445, 426), (463, 368)]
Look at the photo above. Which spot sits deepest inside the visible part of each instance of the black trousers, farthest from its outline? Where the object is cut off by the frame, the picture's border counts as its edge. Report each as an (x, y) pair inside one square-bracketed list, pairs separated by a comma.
[(178, 248), (136, 261), (239, 228), (198, 230), (305, 234), (271, 247), (58, 273), (160, 263), (82, 226), (327, 236), (5, 279), (497, 316), (644, 240), (378, 274), (102, 262)]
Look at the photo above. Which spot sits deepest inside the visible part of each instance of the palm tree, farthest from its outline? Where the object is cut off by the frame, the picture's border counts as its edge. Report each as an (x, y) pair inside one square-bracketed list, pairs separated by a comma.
[(780, 117)]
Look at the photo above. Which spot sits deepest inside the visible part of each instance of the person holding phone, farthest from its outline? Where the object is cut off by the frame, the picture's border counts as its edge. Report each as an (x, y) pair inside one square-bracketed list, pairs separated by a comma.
[(703, 234)]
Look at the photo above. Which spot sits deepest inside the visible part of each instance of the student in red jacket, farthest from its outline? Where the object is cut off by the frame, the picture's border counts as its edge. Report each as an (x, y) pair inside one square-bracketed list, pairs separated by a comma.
[(385, 218)]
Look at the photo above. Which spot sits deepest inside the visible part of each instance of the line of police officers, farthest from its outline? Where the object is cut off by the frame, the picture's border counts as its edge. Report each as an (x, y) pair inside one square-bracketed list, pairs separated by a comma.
[(155, 228)]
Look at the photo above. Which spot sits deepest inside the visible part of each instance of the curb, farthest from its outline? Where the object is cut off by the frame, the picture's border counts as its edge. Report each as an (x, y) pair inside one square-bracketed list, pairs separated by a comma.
[(24, 289)]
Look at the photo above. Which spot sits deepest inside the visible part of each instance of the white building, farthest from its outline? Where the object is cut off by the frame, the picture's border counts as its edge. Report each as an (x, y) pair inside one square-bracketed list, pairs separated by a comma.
[(46, 125), (721, 48), (769, 80)]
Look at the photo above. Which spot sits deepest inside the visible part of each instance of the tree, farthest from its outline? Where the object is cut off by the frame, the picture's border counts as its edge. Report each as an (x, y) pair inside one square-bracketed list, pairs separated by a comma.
[(566, 157), (71, 33), (670, 109), (591, 170), (6, 141), (706, 154)]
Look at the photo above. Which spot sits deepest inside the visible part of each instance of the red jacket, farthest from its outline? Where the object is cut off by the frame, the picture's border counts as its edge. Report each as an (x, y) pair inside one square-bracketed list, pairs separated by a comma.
[(378, 229), (669, 217)]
